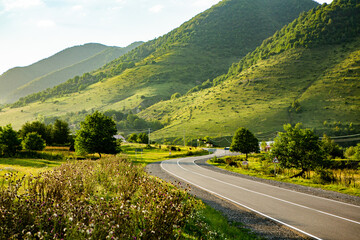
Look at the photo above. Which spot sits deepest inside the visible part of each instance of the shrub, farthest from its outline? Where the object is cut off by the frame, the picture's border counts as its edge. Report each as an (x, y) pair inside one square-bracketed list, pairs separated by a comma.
[(324, 176), (218, 160)]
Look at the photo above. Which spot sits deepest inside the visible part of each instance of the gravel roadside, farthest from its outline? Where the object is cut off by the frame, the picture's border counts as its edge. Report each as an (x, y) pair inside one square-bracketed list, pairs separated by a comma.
[(258, 224)]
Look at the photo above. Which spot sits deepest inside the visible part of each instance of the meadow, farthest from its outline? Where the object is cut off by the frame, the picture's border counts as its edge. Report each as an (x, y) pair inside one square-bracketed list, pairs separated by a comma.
[(344, 180), (108, 198)]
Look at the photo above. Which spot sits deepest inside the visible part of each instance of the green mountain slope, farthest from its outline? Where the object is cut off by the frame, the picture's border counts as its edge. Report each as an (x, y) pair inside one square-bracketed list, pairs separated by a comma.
[(59, 76), (200, 49), (47, 73), (19, 76), (308, 72)]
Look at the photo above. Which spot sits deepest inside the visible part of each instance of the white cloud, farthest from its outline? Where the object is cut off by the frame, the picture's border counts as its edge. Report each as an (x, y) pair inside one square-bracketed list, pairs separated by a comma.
[(77, 8), (156, 9), (20, 4), (45, 23)]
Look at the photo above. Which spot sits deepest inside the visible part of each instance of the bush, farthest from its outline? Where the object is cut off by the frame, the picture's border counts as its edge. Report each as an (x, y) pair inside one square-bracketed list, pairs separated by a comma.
[(324, 176), (218, 160)]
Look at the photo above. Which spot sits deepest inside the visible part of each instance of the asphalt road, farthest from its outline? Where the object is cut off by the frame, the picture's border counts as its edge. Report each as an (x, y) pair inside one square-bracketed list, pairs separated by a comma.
[(314, 216)]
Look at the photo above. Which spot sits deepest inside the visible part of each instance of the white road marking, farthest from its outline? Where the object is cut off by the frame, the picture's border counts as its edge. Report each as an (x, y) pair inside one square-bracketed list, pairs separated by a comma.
[(240, 204), (331, 200), (266, 195)]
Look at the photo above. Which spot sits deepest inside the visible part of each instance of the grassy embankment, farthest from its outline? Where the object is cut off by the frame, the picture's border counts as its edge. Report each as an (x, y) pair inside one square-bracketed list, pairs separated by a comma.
[(345, 181), (126, 188)]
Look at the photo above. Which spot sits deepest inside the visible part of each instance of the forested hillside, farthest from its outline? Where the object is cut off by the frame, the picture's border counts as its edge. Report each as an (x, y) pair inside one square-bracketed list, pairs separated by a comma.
[(308, 72), (200, 49), (22, 81)]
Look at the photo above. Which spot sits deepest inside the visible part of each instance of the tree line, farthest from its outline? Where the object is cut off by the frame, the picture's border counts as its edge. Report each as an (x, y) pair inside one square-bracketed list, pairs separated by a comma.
[(296, 148), (33, 136)]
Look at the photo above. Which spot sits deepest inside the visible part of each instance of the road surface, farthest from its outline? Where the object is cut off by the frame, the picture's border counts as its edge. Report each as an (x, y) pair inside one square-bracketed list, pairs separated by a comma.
[(313, 216)]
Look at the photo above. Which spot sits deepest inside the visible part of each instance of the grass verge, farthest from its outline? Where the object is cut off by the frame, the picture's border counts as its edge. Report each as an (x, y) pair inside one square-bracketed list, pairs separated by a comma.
[(345, 181)]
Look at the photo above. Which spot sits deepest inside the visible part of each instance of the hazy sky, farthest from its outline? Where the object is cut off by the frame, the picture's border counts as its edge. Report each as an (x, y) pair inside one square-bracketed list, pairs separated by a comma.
[(31, 30)]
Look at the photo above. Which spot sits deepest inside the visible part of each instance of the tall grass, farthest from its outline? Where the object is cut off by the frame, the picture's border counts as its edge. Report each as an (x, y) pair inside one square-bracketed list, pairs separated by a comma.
[(106, 199)]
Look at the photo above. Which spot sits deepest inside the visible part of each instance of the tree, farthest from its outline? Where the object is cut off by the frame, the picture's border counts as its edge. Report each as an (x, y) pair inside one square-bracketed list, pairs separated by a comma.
[(33, 142), (40, 128), (244, 141), (96, 135), (60, 132), (298, 148), (132, 138), (350, 151), (9, 141), (353, 152), (356, 156), (330, 148), (142, 138)]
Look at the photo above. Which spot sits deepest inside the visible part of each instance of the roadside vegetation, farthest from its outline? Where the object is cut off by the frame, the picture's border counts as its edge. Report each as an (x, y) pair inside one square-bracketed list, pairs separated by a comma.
[(53, 192), (110, 198), (299, 156)]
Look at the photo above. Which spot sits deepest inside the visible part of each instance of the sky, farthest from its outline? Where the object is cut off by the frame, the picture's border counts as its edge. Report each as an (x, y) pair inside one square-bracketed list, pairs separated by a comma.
[(31, 30)]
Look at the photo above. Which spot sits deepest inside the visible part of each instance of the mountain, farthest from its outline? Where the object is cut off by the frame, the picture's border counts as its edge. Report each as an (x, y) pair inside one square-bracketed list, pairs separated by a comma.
[(22, 81), (200, 49), (307, 72)]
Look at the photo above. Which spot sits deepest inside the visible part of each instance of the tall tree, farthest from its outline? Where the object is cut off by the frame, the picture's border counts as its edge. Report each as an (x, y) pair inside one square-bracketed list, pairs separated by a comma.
[(244, 141), (298, 148), (9, 141), (60, 132), (96, 135)]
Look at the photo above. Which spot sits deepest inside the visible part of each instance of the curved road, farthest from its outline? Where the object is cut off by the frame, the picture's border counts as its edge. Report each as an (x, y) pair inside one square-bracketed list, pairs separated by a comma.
[(316, 217)]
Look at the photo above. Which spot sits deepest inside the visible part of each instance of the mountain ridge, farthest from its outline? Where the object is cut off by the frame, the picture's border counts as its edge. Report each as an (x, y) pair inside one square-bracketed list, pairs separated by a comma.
[(200, 49), (17, 82), (265, 91)]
